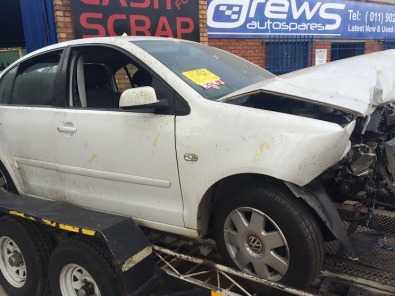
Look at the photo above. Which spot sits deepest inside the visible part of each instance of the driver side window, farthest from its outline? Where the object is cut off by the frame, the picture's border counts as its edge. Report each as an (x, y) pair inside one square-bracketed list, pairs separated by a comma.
[(124, 77), (98, 76)]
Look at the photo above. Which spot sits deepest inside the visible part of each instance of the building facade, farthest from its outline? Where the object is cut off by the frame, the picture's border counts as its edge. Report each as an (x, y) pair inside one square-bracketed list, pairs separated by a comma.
[(364, 27), (358, 26)]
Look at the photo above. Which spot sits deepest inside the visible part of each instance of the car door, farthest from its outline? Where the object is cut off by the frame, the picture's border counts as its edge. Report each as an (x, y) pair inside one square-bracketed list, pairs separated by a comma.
[(116, 161), (28, 125)]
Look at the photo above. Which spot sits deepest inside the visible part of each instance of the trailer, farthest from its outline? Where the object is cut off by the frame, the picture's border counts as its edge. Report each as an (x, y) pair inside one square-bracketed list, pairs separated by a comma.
[(371, 274), (62, 241)]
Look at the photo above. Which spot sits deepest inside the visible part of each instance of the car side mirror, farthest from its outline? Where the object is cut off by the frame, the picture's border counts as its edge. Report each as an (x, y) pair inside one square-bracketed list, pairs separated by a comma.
[(140, 98)]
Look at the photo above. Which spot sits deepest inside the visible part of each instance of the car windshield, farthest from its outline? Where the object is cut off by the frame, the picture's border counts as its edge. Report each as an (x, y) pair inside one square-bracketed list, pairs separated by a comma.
[(212, 72)]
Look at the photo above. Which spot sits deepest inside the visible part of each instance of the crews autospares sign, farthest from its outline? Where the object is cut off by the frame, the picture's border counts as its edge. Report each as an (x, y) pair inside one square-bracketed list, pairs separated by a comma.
[(331, 18), (165, 18)]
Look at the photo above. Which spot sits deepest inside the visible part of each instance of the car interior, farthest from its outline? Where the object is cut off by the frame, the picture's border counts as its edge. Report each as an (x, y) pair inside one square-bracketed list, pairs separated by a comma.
[(99, 75)]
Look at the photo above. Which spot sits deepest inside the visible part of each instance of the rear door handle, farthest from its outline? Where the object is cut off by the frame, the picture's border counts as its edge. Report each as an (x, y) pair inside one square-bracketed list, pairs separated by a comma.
[(67, 128)]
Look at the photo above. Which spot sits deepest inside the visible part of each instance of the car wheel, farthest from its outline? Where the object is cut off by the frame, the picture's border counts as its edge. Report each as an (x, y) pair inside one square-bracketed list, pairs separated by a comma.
[(24, 257), (266, 232), (80, 268)]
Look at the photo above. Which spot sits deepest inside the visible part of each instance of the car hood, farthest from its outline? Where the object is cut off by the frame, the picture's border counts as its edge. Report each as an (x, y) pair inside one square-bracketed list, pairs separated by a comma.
[(357, 84)]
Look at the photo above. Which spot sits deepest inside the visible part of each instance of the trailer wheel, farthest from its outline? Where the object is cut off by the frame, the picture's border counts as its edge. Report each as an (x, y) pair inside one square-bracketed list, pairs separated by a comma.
[(24, 257), (80, 268), (266, 232)]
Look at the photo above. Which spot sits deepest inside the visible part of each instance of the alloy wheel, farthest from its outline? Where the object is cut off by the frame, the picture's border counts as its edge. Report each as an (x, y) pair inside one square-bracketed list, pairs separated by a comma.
[(256, 244)]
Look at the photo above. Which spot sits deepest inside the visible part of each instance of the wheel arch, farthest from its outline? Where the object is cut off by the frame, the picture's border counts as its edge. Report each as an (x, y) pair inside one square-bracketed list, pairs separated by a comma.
[(229, 184)]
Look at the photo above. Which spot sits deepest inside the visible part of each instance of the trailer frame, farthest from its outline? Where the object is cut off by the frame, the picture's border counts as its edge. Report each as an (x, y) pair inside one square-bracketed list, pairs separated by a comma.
[(136, 260)]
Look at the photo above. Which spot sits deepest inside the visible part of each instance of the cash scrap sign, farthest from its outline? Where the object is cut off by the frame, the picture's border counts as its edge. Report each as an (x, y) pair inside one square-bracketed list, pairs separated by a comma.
[(163, 18), (326, 18)]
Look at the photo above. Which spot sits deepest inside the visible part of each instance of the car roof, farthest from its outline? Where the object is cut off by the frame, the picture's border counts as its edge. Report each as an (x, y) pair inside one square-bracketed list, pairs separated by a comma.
[(101, 40), (126, 40), (116, 40)]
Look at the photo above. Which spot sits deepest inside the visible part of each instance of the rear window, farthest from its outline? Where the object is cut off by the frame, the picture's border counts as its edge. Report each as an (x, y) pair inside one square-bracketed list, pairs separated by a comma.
[(35, 81)]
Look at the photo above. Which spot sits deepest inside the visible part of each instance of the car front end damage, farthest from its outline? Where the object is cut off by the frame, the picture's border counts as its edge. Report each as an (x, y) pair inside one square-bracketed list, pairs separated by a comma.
[(367, 172), (356, 161), (364, 178), (313, 154)]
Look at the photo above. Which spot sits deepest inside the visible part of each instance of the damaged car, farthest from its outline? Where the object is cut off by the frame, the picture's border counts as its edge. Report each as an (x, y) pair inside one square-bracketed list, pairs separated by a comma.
[(192, 140)]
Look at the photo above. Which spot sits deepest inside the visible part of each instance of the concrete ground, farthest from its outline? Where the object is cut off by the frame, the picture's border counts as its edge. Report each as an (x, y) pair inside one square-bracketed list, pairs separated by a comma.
[(2, 293)]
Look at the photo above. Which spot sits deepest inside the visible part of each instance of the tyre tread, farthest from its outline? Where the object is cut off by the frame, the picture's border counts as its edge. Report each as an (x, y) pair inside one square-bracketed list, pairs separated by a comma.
[(99, 252), (44, 247), (41, 241), (310, 226)]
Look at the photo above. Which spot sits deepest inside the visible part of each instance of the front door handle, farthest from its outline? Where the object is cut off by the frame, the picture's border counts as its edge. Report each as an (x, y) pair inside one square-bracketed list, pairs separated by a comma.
[(67, 128)]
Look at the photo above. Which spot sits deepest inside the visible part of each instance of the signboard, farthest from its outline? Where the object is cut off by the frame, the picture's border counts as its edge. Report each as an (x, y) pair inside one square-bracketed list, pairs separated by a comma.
[(164, 18), (321, 56), (326, 18)]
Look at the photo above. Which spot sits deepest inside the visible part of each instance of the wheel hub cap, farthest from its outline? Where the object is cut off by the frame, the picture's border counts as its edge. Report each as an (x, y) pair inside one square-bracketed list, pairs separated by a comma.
[(77, 281), (12, 263), (16, 260), (256, 244), (87, 290)]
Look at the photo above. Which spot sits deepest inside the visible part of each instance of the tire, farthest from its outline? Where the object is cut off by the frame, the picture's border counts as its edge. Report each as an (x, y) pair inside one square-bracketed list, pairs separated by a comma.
[(292, 234), (77, 257), (31, 249)]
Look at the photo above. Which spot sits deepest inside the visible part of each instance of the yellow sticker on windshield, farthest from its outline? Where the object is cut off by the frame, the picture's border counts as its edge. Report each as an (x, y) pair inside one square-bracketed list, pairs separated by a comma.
[(204, 78)]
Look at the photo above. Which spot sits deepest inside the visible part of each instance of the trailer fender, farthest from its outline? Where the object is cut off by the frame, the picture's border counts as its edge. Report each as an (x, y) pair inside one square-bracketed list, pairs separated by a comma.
[(316, 197)]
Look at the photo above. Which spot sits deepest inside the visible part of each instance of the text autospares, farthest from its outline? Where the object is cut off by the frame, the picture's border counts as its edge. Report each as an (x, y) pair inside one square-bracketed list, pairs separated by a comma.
[(242, 11)]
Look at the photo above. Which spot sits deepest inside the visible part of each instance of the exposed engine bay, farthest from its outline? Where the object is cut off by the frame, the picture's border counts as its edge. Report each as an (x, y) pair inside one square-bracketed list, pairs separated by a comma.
[(282, 104), (367, 173)]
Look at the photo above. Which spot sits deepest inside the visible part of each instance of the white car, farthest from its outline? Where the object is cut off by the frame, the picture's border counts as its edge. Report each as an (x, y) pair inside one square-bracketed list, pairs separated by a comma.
[(192, 140)]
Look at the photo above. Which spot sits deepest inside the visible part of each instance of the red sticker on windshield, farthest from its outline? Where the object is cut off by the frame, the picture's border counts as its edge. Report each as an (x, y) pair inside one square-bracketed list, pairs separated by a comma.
[(214, 84)]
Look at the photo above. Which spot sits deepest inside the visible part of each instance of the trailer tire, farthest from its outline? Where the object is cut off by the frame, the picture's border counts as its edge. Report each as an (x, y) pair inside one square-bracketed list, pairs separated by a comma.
[(31, 248), (289, 232), (87, 260)]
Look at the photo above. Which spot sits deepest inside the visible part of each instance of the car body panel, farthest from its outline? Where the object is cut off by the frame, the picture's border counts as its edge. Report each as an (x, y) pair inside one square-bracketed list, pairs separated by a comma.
[(33, 145), (123, 161), (226, 139), (291, 148)]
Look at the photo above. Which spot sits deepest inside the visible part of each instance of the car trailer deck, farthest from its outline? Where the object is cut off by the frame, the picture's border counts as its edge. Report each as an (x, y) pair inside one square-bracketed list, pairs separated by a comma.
[(372, 274), (184, 264)]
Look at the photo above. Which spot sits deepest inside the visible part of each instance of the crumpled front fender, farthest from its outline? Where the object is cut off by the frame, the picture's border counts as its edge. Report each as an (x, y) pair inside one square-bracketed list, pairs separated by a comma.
[(316, 197)]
